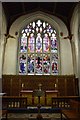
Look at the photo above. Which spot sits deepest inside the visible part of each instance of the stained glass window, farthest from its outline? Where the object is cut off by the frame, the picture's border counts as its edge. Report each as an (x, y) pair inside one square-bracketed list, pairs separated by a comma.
[(38, 49)]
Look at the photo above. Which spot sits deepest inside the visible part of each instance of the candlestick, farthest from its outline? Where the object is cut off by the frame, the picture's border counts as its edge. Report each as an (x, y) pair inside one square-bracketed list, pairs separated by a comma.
[(40, 85)]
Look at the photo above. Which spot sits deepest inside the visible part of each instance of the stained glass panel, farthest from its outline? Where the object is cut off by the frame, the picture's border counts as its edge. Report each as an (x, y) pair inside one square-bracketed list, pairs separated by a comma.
[(31, 42), (54, 63), (38, 65), (30, 65), (46, 63), (23, 45), (22, 64), (38, 43), (46, 43), (53, 43)]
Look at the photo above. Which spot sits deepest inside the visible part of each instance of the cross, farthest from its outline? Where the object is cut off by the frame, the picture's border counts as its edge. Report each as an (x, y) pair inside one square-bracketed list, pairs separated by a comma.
[(39, 23)]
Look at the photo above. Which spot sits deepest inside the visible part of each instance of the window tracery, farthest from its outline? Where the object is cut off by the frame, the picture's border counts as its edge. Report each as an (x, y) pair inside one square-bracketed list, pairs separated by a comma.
[(38, 53)]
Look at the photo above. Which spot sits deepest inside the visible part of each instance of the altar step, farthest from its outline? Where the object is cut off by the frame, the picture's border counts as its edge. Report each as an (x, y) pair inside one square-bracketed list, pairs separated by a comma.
[(35, 110)]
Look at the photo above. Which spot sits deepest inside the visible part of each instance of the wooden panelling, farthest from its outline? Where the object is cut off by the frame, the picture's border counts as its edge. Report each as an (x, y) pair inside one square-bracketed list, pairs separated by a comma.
[(77, 86), (61, 86), (70, 87), (6, 84), (15, 86), (65, 84)]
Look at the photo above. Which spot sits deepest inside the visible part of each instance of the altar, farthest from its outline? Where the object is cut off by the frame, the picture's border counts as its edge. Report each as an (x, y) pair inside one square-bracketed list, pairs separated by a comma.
[(45, 99), (49, 94)]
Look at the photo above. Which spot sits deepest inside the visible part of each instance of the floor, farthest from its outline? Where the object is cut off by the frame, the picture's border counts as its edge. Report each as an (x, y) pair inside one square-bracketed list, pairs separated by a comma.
[(32, 116)]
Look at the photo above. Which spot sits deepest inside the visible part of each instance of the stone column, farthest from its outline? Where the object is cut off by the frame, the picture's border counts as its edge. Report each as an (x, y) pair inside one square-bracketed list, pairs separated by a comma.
[(0, 54), (79, 44)]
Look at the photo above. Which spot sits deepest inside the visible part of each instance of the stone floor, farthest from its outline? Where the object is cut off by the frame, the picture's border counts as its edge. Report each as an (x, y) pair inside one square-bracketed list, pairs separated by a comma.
[(26, 116)]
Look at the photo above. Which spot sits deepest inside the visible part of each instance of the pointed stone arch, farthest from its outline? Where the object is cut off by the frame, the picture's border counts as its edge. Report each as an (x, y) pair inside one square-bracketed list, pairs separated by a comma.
[(58, 24)]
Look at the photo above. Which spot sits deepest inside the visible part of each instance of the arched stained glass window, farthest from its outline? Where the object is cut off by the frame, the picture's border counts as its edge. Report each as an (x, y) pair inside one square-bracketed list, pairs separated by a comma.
[(38, 53)]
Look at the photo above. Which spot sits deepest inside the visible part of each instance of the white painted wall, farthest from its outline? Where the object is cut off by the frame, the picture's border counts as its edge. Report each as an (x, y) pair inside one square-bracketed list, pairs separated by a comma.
[(74, 31), (0, 39), (75, 24), (12, 44), (3, 25), (10, 59)]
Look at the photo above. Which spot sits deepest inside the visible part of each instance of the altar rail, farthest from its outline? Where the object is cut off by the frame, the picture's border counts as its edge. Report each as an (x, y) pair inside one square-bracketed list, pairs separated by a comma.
[(63, 101), (17, 103)]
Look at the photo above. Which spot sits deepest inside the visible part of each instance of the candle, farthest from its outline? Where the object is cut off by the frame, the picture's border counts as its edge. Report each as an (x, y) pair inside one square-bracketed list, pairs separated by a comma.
[(22, 85), (55, 85), (40, 85)]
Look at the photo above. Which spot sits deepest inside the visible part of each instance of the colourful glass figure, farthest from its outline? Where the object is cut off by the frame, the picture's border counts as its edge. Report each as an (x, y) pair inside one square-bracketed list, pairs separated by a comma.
[(54, 67), (38, 43), (31, 67), (22, 64), (31, 63), (31, 43), (23, 47), (46, 64), (54, 56), (38, 65), (46, 43), (53, 43)]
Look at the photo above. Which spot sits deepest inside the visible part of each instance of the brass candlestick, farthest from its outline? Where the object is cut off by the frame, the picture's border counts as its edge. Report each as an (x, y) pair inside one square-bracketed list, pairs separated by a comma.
[(40, 86)]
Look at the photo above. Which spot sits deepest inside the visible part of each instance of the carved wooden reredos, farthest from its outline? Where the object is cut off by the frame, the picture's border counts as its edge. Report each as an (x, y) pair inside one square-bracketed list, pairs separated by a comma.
[(65, 84)]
